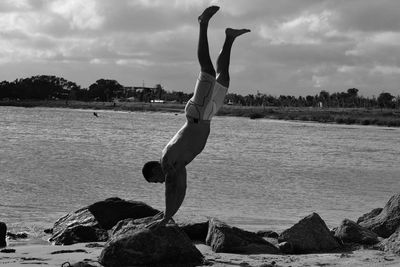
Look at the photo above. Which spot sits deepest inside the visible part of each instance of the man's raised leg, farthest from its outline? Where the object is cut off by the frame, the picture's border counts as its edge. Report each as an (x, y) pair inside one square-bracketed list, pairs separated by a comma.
[(225, 54), (203, 53)]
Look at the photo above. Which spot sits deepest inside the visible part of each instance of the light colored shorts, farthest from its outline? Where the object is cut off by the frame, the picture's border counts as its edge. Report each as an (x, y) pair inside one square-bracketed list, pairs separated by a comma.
[(207, 99)]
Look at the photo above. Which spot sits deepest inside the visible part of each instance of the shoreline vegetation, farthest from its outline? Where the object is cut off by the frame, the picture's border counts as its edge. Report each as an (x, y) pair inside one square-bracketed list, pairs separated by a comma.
[(359, 116)]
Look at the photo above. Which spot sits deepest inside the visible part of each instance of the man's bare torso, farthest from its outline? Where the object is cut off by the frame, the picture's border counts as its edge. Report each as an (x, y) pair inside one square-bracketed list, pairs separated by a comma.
[(187, 143)]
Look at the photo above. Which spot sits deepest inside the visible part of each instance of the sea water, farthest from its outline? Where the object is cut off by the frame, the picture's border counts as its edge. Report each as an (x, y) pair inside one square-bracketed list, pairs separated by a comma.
[(255, 174)]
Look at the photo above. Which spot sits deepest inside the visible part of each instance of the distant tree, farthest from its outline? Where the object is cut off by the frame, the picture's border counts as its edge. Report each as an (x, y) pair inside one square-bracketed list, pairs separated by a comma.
[(104, 90), (398, 102), (159, 92), (352, 92), (352, 97), (385, 100), (249, 100), (6, 90), (324, 98), (38, 87), (310, 101)]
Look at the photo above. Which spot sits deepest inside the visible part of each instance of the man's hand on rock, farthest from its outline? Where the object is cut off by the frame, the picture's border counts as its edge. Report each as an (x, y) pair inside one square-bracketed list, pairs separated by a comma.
[(157, 223)]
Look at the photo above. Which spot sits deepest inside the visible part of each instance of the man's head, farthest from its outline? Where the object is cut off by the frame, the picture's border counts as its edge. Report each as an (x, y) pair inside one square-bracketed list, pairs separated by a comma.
[(153, 173)]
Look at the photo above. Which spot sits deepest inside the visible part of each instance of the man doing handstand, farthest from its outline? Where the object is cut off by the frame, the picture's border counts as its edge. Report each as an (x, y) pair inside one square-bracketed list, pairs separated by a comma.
[(190, 140)]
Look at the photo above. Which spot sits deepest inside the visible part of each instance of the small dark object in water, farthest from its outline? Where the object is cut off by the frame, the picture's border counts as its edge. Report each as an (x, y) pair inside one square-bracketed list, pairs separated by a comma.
[(68, 251), (21, 235), (7, 250), (95, 114)]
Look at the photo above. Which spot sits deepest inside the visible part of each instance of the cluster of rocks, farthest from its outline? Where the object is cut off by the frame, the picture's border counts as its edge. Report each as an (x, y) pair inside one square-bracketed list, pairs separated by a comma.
[(4, 234), (122, 224)]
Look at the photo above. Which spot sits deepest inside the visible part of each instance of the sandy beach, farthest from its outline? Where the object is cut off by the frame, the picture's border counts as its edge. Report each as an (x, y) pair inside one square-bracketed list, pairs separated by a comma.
[(47, 255)]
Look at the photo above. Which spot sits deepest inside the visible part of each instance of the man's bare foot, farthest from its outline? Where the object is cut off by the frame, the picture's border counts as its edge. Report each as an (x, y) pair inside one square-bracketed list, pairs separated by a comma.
[(207, 14), (235, 32)]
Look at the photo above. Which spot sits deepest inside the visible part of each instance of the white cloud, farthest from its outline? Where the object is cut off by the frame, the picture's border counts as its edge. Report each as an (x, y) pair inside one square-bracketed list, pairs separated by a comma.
[(98, 61), (135, 62), (81, 14), (347, 69), (386, 70), (8, 5), (19, 22), (303, 29)]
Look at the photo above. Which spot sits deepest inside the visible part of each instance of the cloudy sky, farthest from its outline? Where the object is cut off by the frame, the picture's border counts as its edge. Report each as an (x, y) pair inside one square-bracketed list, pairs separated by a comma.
[(296, 47)]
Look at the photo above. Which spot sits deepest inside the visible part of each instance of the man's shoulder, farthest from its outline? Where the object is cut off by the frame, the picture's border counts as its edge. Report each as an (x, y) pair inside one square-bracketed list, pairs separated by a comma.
[(166, 160)]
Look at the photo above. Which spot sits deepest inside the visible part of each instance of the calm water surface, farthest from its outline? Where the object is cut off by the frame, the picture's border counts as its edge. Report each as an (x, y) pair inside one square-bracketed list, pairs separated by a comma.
[(255, 174)]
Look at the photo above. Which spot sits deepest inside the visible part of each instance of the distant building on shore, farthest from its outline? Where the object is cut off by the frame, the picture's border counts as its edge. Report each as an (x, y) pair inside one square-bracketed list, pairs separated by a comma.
[(142, 94), (129, 91)]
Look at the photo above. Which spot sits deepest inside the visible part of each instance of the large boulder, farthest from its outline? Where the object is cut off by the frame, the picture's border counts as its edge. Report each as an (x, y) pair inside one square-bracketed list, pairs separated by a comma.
[(392, 244), (90, 224), (387, 221), (3, 233), (196, 231), (309, 235), (351, 232), (132, 244), (373, 213), (224, 238), (112, 210)]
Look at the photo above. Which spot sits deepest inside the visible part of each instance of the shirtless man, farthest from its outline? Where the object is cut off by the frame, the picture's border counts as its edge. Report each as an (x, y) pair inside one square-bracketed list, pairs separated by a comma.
[(190, 140)]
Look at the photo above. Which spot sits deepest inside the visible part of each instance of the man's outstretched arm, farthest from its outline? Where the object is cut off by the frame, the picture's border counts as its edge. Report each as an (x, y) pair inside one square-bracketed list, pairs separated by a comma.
[(175, 191)]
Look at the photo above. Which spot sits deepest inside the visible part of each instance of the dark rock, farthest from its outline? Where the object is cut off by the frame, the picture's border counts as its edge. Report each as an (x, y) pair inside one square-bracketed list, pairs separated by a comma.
[(269, 234), (48, 231), (133, 244), (94, 245), (112, 210), (90, 224), (81, 234), (195, 231), (129, 225), (392, 244), (224, 238), (67, 230), (387, 221), (373, 213), (3, 232), (309, 235), (84, 263), (285, 247), (64, 251), (351, 232), (21, 235)]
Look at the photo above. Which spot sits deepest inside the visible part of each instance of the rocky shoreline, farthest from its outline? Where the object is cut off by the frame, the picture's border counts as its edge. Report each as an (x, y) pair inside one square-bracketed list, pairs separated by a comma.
[(113, 233)]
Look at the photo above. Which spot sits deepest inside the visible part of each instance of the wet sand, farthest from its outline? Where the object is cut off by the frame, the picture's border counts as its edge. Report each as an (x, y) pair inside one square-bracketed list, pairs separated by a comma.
[(46, 255)]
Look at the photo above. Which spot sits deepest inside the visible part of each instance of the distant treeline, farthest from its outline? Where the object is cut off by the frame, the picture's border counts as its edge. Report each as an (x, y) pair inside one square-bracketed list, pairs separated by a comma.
[(44, 87)]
